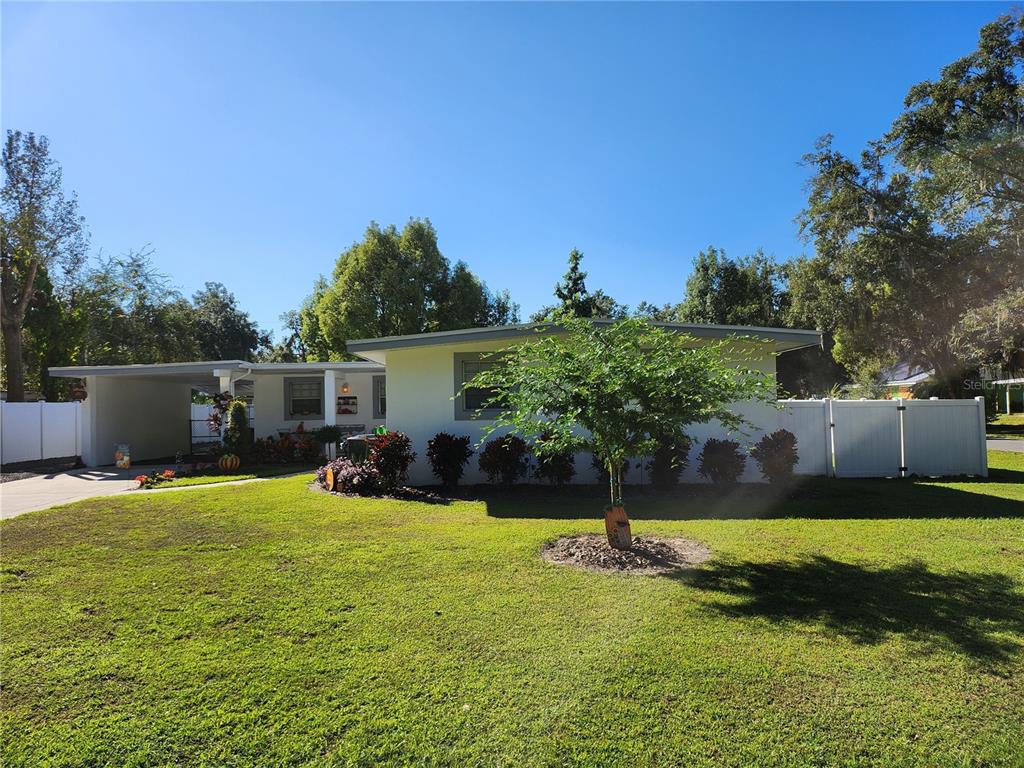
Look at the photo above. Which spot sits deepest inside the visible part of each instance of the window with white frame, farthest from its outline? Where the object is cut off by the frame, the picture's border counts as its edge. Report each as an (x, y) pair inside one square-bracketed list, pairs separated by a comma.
[(474, 402), (303, 399)]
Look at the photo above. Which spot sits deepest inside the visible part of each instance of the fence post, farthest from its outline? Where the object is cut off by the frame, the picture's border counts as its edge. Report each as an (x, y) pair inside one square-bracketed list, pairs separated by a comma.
[(980, 400), (901, 409), (830, 469), (42, 429)]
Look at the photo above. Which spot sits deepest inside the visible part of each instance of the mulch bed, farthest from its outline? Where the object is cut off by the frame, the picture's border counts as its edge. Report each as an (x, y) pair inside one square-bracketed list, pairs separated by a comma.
[(405, 493), (650, 555)]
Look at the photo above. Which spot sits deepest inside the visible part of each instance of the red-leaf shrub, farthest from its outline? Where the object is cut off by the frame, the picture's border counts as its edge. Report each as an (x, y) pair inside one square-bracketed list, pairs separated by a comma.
[(505, 459), (776, 456), (286, 450), (448, 456), (668, 462), (363, 479), (391, 454), (556, 468), (721, 461)]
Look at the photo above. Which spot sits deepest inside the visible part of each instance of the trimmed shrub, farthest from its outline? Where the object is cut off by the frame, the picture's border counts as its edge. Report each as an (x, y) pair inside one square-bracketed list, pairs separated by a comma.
[(505, 459), (448, 456), (601, 468), (776, 456), (668, 462), (363, 479), (236, 433), (721, 461), (328, 434), (556, 468), (390, 455)]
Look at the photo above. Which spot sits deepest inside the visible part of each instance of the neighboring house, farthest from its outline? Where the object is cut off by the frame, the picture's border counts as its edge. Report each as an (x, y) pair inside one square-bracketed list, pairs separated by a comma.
[(149, 406), (900, 379), (425, 371)]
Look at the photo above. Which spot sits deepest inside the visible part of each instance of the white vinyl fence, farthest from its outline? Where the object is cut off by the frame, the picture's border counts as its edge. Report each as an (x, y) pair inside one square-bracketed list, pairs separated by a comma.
[(888, 438), (35, 431), (835, 438), (202, 434)]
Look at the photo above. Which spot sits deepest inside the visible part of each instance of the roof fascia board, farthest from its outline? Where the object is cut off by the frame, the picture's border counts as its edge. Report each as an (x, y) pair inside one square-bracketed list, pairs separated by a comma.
[(803, 338)]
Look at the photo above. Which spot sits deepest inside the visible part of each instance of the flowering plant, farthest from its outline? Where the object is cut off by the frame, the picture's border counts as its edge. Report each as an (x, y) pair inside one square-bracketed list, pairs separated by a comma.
[(155, 478)]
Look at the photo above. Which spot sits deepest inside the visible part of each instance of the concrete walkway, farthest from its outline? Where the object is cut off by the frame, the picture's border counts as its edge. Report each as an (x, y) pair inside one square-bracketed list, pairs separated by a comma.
[(43, 491), (20, 496), (1006, 444)]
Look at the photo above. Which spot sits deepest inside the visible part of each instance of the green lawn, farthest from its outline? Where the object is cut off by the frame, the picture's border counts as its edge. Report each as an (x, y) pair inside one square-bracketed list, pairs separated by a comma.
[(858, 623), (1007, 425), (1010, 419), (217, 476)]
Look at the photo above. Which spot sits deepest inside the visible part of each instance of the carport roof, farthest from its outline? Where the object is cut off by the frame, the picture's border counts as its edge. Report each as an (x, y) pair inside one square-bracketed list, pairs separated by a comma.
[(206, 369)]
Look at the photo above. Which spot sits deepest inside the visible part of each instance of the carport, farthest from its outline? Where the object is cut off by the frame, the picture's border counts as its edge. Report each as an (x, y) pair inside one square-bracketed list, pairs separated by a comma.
[(149, 407), (146, 406)]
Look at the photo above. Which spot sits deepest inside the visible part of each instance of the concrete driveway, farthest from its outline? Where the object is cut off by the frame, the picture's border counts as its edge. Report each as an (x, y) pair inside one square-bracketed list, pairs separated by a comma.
[(42, 491), (1006, 444)]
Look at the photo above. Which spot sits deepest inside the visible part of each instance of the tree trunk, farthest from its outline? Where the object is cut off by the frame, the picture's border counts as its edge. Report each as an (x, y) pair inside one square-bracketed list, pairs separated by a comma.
[(13, 362), (616, 522)]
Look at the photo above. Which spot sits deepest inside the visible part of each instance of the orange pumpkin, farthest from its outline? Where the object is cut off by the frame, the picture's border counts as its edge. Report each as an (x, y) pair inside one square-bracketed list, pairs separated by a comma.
[(229, 461)]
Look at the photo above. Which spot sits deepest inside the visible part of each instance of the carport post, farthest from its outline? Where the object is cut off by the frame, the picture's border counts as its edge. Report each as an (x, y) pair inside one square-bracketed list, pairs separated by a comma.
[(225, 384), (330, 405)]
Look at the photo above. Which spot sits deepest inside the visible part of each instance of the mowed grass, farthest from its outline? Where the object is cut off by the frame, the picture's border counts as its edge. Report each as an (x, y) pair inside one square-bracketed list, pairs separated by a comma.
[(1007, 425), (218, 476), (855, 623)]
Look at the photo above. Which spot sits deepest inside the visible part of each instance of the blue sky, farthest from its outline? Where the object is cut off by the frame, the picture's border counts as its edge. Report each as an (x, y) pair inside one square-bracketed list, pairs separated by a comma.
[(252, 143)]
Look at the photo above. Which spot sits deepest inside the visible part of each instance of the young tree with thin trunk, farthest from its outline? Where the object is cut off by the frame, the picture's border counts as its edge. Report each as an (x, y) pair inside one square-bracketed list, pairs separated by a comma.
[(619, 389), (40, 230)]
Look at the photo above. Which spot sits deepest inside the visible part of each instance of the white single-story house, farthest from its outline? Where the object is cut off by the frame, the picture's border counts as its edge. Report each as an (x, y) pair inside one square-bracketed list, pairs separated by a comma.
[(408, 383), (425, 372)]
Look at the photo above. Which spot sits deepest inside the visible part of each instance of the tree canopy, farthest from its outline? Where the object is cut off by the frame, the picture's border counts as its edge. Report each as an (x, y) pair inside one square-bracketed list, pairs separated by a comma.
[(724, 291), (619, 390), (576, 300), (41, 233), (223, 331), (395, 283), (921, 235)]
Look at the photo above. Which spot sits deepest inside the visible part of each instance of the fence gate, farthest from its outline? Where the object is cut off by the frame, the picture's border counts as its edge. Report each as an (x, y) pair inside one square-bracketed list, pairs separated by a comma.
[(866, 439), (944, 437)]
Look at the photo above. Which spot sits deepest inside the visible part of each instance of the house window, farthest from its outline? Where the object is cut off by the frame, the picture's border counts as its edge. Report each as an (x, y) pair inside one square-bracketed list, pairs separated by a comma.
[(474, 402), (380, 397), (303, 399)]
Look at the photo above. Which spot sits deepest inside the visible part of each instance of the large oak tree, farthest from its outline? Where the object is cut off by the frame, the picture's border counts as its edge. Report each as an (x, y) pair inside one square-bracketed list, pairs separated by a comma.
[(917, 238)]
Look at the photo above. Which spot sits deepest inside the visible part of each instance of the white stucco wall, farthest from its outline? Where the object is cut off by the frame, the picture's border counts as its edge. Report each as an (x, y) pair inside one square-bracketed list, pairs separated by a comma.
[(421, 383), (151, 415), (269, 407)]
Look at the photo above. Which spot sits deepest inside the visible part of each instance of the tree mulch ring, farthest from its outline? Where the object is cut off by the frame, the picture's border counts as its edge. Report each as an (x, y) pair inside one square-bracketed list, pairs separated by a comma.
[(650, 555)]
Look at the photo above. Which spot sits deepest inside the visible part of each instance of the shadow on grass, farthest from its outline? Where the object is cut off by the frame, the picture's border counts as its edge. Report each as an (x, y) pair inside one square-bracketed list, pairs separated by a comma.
[(963, 611), (810, 498)]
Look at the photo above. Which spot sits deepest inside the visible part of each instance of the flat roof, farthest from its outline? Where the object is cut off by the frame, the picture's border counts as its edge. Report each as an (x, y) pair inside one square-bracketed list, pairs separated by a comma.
[(209, 366), (786, 339)]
